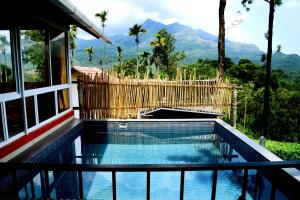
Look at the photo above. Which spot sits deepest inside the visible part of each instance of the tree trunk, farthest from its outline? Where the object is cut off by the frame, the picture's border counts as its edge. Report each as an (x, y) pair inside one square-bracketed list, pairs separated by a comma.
[(137, 58), (221, 39), (266, 109)]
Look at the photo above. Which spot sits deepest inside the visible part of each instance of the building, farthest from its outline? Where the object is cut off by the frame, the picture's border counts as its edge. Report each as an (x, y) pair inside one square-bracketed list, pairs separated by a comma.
[(35, 73)]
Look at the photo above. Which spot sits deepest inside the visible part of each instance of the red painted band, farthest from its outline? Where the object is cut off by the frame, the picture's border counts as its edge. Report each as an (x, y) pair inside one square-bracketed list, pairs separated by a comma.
[(11, 147)]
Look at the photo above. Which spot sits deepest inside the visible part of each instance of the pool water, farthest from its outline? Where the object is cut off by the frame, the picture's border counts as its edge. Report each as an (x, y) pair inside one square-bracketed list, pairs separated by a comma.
[(144, 146)]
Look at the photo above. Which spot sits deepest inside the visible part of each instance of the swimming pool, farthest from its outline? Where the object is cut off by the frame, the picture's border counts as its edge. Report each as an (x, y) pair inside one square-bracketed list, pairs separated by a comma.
[(147, 142)]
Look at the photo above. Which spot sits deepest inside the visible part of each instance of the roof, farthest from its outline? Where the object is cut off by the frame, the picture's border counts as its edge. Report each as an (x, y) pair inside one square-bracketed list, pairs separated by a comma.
[(87, 70), (57, 13), (93, 71), (81, 20)]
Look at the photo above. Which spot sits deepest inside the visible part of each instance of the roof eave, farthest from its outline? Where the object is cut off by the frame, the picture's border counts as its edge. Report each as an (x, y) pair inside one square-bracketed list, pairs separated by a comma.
[(81, 20)]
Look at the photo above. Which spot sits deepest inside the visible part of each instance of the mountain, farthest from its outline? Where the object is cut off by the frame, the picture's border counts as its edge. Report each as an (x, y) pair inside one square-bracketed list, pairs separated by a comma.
[(196, 43)]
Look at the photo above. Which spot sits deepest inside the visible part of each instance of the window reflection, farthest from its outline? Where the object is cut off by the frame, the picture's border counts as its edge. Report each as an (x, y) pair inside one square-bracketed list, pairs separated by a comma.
[(58, 58), (63, 100), (35, 53), (46, 106), (30, 111), (1, 128), (14, 114), (7, 77)]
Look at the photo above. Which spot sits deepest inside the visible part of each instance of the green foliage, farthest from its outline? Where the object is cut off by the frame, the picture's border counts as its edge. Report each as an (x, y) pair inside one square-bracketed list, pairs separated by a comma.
[(90, 52), (285, 150), (164, 55), (285, 101), (35, 52)]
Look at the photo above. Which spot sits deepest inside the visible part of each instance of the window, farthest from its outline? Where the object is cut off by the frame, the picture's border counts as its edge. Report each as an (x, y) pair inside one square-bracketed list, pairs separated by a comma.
[(1, 127), (35, 55), (15, 119), (63, 100), (58, 58), (46, 106), (7, 76), (30, 110)]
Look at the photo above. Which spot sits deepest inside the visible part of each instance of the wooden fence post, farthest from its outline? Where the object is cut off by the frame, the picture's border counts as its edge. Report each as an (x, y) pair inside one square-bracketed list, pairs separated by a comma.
[(234, 106), (80, 96)]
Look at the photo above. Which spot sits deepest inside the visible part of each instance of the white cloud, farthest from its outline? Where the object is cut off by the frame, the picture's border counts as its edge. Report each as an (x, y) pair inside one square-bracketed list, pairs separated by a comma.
[(292, 3)]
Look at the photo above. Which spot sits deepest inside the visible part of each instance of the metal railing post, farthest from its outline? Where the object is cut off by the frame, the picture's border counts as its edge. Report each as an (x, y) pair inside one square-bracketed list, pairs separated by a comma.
[(214, 185), (114, 189), (181, 185), (148, 184), (79, 174), (244, 187)]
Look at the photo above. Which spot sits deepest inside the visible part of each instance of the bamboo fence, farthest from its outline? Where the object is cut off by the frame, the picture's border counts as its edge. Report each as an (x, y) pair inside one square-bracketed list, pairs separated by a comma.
[(103, 97)]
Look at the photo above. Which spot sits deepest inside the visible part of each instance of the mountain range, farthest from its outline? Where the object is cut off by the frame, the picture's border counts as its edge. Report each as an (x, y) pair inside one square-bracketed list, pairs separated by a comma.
[(196, 44)]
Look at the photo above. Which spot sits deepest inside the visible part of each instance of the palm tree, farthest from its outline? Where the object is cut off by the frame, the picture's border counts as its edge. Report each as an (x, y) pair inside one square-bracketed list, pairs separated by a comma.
[(119, 55), (221, 39), (90, 51), (269, 36), (3, 44), (136, 30), (158, 50), (102, 17), (145, 55)]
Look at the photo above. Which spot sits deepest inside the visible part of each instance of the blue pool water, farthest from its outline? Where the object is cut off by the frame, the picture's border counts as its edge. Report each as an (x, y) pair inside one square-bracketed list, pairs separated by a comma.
[(145, 148), (175, 144)]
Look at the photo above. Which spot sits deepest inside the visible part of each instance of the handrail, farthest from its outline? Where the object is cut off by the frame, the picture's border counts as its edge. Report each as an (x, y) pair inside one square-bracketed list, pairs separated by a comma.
[(151, 167), (148, 168)]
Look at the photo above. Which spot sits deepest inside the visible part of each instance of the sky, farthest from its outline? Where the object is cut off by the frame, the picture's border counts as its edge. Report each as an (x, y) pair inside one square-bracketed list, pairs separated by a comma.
[(241, 26)]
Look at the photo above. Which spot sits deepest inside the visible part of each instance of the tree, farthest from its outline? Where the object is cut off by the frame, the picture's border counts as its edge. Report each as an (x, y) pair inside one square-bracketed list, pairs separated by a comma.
[(3, 44), (119, 55), (90, 51), (73, 36), (136, 30), (221, 39), (163, 53), (102, 17), (36, 52), (145, 60), (269, 36)]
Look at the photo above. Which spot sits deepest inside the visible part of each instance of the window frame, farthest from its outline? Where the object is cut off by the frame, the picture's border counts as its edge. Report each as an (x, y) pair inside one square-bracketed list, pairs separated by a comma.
[(17, 65)]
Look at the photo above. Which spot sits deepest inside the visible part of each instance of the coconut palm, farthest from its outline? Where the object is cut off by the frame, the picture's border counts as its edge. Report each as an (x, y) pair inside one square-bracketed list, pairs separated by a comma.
[(158, 50), (119, 55), (136, 30), (102, 17), (145, 56), (90, 51)]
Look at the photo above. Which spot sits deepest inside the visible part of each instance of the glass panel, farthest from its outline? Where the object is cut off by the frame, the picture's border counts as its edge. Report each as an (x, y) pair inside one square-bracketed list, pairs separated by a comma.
[(7, 76), (34, 44), (58, 58), (1, 127), (15, 120), (46, 106), (63, 100), (30, 111)]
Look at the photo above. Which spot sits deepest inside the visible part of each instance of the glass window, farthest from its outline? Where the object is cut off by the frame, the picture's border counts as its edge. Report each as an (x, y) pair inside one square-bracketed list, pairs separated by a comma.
[(35, 55), (46, 106), (7, 76), (63, 100), (58, 58), (1, 128), (30, 110), (15, 119)]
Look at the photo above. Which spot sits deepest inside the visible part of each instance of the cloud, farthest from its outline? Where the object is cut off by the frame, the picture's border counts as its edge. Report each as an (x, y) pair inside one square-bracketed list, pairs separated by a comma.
[(292, 3)]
